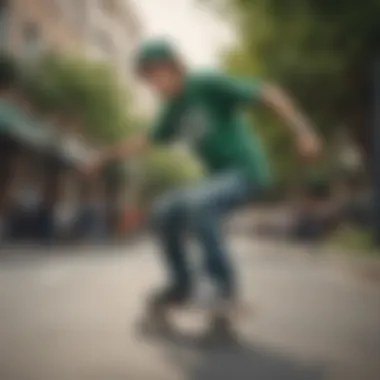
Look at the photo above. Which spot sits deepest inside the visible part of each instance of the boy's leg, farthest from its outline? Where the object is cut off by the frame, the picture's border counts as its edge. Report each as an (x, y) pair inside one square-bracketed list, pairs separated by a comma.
[(169, 220), (207, 204), (201, 208)]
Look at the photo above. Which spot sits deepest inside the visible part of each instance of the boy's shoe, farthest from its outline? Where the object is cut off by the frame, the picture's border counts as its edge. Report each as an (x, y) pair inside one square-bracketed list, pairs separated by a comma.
[(162, 301), (221, 330), (169, 297)]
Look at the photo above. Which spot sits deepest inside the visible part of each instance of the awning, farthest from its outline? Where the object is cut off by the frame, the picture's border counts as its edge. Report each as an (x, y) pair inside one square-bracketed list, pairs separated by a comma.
[(36, 134), (16, 123)]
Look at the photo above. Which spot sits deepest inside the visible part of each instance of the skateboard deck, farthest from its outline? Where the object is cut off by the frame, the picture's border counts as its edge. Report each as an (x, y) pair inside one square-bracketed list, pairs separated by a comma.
[(210, 332), (213, 308)]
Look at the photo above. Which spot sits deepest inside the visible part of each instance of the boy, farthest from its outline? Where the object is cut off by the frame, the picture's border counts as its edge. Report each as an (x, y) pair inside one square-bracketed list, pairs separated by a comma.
[(204, 109)]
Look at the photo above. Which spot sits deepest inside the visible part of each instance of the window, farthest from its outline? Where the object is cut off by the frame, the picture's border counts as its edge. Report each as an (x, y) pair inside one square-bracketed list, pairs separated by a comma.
[(72, 10), (32, 40), (53, 7), (78, 12), (104, 43), (109, 6)]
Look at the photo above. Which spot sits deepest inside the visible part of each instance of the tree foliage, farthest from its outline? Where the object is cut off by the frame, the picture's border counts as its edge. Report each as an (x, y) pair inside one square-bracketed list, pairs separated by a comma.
[(322, 51), (167, 169), (80, 90)]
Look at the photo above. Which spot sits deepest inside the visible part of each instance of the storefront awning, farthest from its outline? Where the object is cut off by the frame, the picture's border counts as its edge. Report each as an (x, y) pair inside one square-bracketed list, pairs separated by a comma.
[(35, 134), (15, 123)]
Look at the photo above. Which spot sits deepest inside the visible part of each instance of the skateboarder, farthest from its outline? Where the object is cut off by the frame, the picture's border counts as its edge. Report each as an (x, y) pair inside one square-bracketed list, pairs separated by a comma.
[(205, 110)]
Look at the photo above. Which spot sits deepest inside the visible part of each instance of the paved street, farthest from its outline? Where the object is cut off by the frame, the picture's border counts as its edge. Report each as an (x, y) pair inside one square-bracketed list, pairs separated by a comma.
[(74, 316)]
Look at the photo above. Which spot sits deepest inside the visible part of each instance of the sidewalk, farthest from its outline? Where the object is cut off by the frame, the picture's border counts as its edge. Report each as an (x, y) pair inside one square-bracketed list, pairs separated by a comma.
[(360, 265)]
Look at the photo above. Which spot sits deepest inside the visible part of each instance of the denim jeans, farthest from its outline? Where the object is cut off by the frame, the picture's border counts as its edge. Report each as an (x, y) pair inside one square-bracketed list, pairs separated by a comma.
[(200, 210)]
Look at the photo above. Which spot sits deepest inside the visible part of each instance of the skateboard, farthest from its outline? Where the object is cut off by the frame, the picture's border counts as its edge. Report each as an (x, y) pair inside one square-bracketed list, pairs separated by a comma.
[(222, 322)]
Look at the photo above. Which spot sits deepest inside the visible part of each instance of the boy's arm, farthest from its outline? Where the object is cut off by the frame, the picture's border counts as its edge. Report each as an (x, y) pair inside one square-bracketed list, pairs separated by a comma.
[(127, 148), (234, 91), (124, 149), (161, 132), (281, 103)]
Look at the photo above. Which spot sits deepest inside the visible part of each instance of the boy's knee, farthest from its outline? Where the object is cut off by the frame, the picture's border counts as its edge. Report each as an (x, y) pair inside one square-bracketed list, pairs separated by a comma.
[(159, 214), (164, 213), (199, 212)]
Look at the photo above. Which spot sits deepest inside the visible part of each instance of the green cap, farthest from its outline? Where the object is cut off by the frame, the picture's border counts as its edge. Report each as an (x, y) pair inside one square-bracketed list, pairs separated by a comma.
[(155, 51)]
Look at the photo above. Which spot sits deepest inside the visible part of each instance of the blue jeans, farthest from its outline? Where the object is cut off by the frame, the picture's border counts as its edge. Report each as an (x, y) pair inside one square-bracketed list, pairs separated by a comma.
[(199, 210)]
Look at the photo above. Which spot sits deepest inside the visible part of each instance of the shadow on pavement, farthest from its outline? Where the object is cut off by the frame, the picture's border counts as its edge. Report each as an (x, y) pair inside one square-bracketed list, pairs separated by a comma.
[(234, 360)]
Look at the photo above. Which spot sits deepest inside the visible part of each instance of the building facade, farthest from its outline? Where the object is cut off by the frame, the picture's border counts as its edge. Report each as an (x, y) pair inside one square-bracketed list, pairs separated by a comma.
[(113, 33), (33, 26), (98, 29)]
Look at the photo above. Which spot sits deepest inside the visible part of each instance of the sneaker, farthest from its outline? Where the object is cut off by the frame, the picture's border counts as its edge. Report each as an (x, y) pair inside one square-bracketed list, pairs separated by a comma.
[(220, 331), (172, 296)]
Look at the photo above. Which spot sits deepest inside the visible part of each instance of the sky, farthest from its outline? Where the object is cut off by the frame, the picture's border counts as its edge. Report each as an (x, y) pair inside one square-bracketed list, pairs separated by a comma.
[(198, 34)]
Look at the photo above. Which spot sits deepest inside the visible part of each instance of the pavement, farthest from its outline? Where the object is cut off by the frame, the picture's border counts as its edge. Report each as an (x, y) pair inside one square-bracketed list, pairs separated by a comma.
[(74, 314)]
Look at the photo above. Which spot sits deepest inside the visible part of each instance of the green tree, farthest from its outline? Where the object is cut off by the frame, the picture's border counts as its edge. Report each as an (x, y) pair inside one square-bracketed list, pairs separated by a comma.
[(321, 50), (166, 169), (83, 92)]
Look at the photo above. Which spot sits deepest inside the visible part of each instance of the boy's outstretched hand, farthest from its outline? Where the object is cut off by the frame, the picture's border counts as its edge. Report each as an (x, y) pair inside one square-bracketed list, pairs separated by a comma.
[(309, 146), (92, 167), (121, 150)]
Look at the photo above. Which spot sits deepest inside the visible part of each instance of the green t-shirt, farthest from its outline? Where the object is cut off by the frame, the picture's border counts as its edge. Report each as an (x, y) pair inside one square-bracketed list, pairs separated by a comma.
[(208, 116)]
